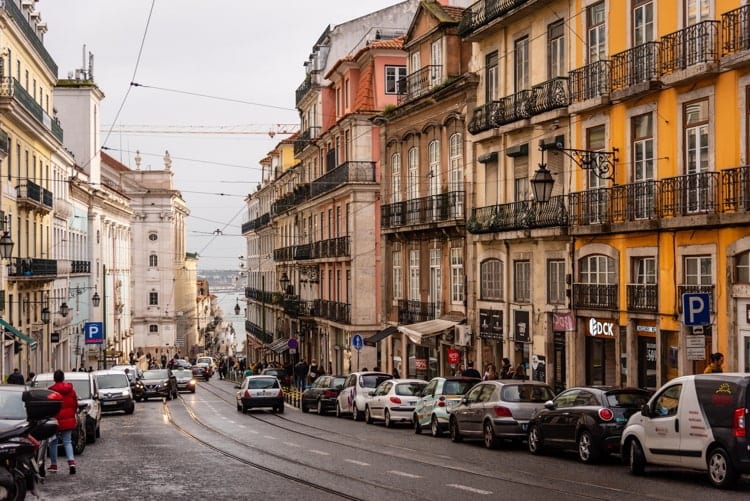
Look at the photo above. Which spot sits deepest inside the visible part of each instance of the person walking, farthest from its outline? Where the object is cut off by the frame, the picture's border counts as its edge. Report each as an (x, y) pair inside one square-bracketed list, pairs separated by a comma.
[(313, 372), (717, 360), (300, 372), (66, 422), (491, 373), (471, 371), (506, 371), (16, 377)]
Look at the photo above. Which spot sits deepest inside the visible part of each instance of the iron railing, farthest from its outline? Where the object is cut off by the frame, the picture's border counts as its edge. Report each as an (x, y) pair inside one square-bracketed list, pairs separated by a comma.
[(634, 66), (549, 95), (410, 311), (305, 139), (300, 194), (735, 27), (260, 334), (256, 223), (426, 210), (284, 253), (333, 310), (689, 194), (31, 267), (735, 189), (332, 247), (513, 108), (518, 215), (420, 82), (303, 89), (483, 12), (77, 266), (10, 87), (590, 81), (348, 172), (29, 191), (643, 297), (259, 295), (595, 296), (698, 43)]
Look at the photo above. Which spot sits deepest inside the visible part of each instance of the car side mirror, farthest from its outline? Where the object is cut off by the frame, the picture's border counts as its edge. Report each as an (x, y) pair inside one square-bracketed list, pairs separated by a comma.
[(464, 400), (549, 404), (646, 410)]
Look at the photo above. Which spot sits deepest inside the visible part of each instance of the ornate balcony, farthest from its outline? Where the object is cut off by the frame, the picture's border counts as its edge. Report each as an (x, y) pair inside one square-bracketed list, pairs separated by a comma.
[(484, 12), (635, 70), (549, 95), (333, 310), (32, 268), (643, 298), (303, 89), (259, 295), (289, 201), (260, 334), (695, 45), (80, 267), (10, 87), (302, 251), (305, 139), (518, 216), (348, 172), (33, 196), (410, 312), (426, 210), (420, 82), (595, 296), (591, 81), (333, 247), (690, 194), (735, 190), (256, 223), (284, 253), (735, 33)]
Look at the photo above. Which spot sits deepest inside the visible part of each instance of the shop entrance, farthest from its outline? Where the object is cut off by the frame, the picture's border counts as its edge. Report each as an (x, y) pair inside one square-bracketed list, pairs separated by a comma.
[(559, 375), (647, 362), (600, 361)]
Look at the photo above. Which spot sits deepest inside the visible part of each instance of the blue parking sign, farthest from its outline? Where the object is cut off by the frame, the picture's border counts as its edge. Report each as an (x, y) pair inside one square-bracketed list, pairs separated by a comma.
[(357, 342), (93, 332), (696, 308)]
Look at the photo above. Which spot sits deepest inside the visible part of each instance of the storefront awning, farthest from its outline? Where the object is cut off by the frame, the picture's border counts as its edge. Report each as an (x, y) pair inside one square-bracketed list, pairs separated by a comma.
[(379, 336), (8, 327), (421, 330), (278, 346)]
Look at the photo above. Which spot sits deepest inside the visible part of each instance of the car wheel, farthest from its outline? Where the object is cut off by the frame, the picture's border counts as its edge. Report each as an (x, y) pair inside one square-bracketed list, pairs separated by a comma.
[(79, 441), (368, 416), (90, 436), (244, 408), (98, 432), (536, 442), (239, 407), (636, 458), (321, 411), (304, 408), (490, 440), (388, 421), (455, 433), (356, 414), (130, 409), (280, 409), (192, 391), (417, 425), (435, 430), (587, 450), (721, 472)]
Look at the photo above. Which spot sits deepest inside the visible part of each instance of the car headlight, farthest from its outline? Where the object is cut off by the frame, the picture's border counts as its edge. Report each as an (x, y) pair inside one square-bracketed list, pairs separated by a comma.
[(125, 393), (191, 382)]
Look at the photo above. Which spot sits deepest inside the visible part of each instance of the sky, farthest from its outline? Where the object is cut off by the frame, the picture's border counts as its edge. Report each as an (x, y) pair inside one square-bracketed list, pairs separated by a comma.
[(228, 66)]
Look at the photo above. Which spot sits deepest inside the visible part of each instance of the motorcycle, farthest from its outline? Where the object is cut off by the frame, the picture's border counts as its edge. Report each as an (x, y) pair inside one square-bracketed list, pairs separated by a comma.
[(23, 447)]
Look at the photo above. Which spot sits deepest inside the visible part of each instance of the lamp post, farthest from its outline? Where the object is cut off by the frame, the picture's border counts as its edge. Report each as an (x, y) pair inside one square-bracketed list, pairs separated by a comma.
[(6, 251)]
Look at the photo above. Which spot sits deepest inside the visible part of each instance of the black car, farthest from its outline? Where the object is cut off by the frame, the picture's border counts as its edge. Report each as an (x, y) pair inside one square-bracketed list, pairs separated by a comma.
[(322, 394), (201, 370), (159, 383), (280, 373), (588, 419)]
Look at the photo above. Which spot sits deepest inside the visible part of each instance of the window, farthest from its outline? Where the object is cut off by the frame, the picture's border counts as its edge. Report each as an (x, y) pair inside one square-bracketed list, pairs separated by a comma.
[(456, 173), (413, 186), (490, 77), (436, 280), (436, 60), (153, 298), (520, 189), (643, 22), (522, 281), (597, 32), (597, 270), (644, 270), (643, 165), (491, 280), (742, 268), (393, 76), (414, 274), (556, 49), (521, 64), (698, 270), (667, 403), (153, 237), (433, 152), (153, 329), (457, 275), (699, 193), (556, 281), (397, 276), (696, 11), (153, 261), (396, 177)]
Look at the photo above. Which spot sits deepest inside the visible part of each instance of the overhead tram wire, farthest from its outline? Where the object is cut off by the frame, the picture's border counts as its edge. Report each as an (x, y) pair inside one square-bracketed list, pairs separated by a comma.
[(208, 96)]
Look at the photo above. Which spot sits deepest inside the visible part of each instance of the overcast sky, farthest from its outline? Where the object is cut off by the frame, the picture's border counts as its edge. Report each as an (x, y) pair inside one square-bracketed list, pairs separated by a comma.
[(249, 51)]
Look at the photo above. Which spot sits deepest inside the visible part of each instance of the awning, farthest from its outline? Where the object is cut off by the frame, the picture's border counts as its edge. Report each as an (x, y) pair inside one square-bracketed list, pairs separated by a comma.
[(379, 336), (279, 346), (8, 327), (417, 332)]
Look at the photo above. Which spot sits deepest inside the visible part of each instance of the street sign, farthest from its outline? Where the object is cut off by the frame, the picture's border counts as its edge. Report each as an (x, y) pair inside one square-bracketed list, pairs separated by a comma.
[(454, 356), (54, 337), (357, 342), (292, 344), (695, 308), (93, 332), (695, 347)]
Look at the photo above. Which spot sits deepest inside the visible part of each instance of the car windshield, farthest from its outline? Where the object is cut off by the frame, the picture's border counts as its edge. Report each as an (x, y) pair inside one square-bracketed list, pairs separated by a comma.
[(409, 389), (81, 386), (457, 387), (338, 381), (105, 381), (262, 383), (204, 360), (526, 393), (634, 399), (274, 372), (373, 380), (11, 405), (156, 374), (182, 373)]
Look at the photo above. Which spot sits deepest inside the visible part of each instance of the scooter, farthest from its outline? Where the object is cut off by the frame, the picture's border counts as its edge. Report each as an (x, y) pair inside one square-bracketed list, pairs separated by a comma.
[(22, 449)]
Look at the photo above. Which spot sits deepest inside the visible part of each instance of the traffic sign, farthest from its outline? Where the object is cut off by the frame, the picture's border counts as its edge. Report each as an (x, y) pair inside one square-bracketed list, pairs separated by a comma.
[(292, 344), (357, 342), (696, 308), (695, 347), (93, 332)]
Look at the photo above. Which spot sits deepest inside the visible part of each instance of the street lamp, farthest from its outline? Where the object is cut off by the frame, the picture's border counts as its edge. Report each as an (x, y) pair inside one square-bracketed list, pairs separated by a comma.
[(541, 183), (64, 309), (6, 246), (96, 299), (284, 282), (237, 308)]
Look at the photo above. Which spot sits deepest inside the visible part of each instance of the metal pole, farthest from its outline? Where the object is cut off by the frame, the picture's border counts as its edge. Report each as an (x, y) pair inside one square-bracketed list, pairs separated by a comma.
[(2, 356), (104, 313), (263, 304)]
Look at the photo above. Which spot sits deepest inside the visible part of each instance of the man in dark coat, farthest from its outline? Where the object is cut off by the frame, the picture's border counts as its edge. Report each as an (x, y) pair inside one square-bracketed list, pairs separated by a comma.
[(16, 377), (300, 373), (471, 371)]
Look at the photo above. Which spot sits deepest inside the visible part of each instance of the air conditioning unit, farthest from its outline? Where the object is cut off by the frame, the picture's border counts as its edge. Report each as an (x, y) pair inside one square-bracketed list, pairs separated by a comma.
[(462, 335)]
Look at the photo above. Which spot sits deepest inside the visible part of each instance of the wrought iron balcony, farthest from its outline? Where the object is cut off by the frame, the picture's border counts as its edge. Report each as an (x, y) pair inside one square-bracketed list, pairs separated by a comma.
[(31, 268), (735, 189), (333, 310), (348, 172), (484, 12), (420, 82), (22, 21), (10, 87), (284, 253), (303, 89), (735, 27), (696, 44), (332, 247), (513, 108), (256, 223), (696, 289), (518, 216), (302, 251), (300, 194), (643, 297), (32, 195), (636, 66), (305, 139), (690, 194), (481, 117), (259, 295), (590, 81), (77, 266), (595, 296), (260, 334), (410, 311), (290, 304), (549, 95), (426, 210)]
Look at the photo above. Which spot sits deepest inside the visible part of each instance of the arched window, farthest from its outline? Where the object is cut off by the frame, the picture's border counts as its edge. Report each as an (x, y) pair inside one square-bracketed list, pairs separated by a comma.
[(153, 261), (491, 279)]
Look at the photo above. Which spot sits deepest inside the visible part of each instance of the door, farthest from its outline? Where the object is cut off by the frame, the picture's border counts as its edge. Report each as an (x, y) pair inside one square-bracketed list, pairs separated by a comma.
[(436, 61), (745, 350), (436, 284), (646, 362), (426, 403), (464, 411), (662, 428), (553, 421), (699, 193), (559, 377)]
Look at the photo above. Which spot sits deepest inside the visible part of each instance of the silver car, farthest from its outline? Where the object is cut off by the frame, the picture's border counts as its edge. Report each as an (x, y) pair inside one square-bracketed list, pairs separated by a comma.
[(494, 410)]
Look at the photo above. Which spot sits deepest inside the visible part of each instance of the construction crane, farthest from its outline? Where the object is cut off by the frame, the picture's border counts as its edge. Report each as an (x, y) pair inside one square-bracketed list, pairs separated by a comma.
[(242, 129)]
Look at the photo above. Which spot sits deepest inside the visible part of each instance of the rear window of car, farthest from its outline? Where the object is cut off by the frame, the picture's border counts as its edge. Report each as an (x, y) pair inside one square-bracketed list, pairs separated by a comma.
[(262, 383), (338, 381), (81, 386), (526, 393), (457, 387), (410, 389), (204, 360), (182, 373), (105, 381), (373, 380), (632, 399), (11, 405), (274, 372)]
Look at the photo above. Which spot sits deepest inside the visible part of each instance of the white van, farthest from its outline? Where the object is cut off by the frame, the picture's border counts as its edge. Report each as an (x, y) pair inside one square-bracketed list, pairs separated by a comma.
[(697, 422)]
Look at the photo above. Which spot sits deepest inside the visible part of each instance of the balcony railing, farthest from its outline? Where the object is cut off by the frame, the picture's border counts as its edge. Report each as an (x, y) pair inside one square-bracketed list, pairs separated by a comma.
[(690, 194), (696, 44), (518, 216), (300, 194), (426, 210), (284, 253), (643, 297), (348, 172), (302, 251), (420, 82), (590, 81), (21, 19), (256, 223), (31, 193), (735, 189), (10, 87), (635, 66), (260, 334), (305, 139), (513, 108), (410, 311), (77, 266), (696, 289), (735, 26), (549, 95), (332, 310), (484, 12), (290, 304), (543, 97), (332, 247), (259, 295), (32, 267), (303, 89), (595, 296)]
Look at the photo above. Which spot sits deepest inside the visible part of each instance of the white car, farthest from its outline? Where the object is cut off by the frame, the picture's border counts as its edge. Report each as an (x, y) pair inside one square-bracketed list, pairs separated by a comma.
[(357, 387), (394, 400)]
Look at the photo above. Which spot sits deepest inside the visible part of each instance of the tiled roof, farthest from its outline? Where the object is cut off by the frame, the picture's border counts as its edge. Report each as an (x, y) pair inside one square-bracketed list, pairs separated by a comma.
[(114, 164), (391, 43), (364, 100), (453, 11)]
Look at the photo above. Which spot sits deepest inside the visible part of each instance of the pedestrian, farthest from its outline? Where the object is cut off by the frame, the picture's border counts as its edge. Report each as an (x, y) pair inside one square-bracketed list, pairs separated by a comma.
[(471, 371), (330, 368), (313, 372), (300, 372), (31, 377), (66, 422), (717, 360), (520, 372), (248, 371), (222, 368), (491, 373), (16, 377), (395, 373), (460, 370), (506, 371), (163, 361)]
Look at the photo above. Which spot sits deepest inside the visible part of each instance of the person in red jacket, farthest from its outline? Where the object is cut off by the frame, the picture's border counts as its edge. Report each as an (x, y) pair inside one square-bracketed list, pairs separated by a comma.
[(66, 422)]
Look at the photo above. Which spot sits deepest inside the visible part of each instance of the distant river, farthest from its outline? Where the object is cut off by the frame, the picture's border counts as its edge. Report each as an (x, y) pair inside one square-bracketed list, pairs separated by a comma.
[(227, 300)]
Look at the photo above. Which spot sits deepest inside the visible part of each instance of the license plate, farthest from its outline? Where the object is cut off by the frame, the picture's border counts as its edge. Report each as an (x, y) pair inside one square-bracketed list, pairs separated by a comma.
[(109, 403)]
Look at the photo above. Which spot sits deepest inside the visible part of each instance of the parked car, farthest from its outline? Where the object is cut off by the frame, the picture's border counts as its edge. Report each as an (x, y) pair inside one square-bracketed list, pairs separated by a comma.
[(179, 363), (134, 374), (322, 394), (185, 380), (696, 422), (496, 410), (201, 370), (587, 419), (279, 373), (159, 383), (259, 392), (86, 390), (438, 398), (356, 391), (113, 390), (209, 361), (394, 400)]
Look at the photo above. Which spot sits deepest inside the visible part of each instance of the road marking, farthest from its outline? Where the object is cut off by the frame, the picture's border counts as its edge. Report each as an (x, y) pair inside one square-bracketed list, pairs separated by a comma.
[(269, 437), (322, 453), (469, 489), (242, 426), (404, 474), (291, 444), (358, 463), (253, 432)]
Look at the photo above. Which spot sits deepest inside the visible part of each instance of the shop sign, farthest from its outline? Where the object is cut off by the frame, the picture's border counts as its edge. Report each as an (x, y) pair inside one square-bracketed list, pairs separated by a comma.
[(454, 356), (491, 324), (562, 321), (420, 364), (605, 329), (646, 328), (521, 331)]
